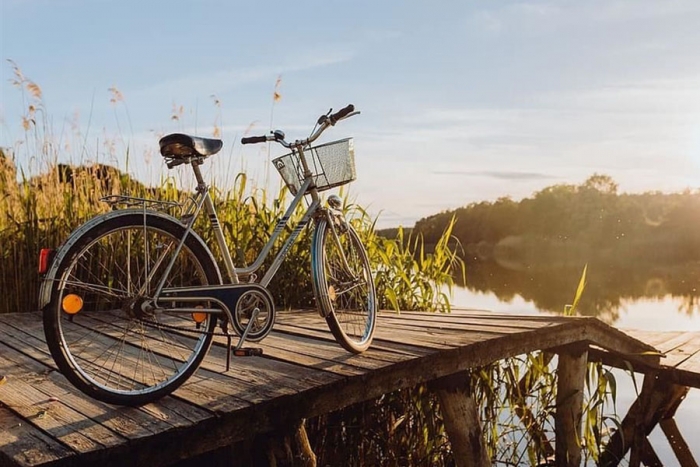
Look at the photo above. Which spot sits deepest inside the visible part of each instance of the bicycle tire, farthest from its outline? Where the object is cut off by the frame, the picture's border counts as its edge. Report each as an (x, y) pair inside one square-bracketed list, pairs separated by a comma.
[(347, 299), (106, 348)]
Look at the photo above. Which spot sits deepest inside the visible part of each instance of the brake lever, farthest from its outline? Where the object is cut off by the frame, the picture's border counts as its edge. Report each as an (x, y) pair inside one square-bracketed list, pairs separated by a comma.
[(324, 118)]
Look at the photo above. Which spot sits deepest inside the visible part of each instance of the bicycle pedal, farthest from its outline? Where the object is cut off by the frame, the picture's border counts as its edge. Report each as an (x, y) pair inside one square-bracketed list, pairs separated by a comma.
[(248, 352)]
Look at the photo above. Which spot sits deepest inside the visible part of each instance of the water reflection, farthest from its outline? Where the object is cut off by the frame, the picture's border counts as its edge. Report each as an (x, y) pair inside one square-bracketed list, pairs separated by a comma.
[(611, 284)]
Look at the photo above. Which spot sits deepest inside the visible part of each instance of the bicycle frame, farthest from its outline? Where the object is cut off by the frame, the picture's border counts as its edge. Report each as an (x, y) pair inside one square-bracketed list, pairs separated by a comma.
[(203, 200)]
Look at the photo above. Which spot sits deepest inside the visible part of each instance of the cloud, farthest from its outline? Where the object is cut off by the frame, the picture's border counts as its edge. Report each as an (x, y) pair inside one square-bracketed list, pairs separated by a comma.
[(223, 80), (486, 22), (677, 95), (557, 14), (498, 174)]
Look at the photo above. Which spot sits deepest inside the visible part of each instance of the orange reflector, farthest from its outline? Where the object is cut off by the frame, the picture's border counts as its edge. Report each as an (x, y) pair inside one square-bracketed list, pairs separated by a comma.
[(72, 304), (199, 317), (331, 293), (45, 259)]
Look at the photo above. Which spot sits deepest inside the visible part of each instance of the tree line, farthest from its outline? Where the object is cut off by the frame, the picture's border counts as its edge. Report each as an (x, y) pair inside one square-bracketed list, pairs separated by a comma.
[(587, 221)]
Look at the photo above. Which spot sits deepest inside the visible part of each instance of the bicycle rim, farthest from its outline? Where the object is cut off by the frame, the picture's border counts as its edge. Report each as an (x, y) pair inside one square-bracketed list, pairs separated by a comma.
[(108, 345), (345, 288)]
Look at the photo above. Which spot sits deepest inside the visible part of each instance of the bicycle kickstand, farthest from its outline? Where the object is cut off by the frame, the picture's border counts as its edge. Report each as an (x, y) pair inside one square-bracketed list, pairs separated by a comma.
[(239, 350)]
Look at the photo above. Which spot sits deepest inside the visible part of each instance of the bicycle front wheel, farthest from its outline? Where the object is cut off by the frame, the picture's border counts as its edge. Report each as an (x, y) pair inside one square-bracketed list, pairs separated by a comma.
[(102, 327), (343, 285)]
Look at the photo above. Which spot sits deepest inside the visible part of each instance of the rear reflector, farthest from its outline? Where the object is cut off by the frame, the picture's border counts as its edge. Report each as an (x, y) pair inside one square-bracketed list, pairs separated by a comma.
[(45, 260), (72, 303)]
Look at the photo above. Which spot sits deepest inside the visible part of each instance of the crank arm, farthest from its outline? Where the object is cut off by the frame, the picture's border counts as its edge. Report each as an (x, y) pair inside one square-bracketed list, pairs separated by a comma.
[(239, 351)]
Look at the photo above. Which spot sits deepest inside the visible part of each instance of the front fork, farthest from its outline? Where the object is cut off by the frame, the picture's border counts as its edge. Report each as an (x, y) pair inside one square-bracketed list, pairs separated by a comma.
[(330, 218), (339, 225)]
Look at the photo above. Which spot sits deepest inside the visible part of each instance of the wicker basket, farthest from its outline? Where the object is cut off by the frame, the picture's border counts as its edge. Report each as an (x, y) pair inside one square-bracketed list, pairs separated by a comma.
[(331, 164)]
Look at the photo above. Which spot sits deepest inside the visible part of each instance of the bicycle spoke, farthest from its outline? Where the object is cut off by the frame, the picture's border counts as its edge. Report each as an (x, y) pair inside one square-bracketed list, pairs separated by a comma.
[(113, 341)]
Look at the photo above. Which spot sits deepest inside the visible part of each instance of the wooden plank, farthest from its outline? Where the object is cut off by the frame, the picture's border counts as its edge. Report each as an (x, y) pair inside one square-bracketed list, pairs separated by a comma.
[(428, 322), (410, 343), (678, 376), (614, 340), (22, 393), (682, 364), (394, 346), (665, 342), (321, 335), (174, 413), (53, 394), (691, 354), (446, 330), (268, 377), (185, 393), (653, 338), (330, 350), (692, 363), (218, 393), (492, 315), (674, 349), (322, 355), (458, 320), (22, 444), (455, 319)]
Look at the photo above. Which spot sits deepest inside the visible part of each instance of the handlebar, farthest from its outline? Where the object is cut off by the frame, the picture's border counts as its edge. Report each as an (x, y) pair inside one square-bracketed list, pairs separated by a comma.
[(323, 122), (253, 139), (339, 115)]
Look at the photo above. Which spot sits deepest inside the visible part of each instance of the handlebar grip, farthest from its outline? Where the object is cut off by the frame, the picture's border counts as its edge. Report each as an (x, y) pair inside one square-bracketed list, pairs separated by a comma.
[(341, 113), (253, 139)]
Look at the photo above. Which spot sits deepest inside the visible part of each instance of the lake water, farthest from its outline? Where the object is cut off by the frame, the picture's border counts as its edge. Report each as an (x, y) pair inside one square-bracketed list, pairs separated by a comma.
[(659, 301)]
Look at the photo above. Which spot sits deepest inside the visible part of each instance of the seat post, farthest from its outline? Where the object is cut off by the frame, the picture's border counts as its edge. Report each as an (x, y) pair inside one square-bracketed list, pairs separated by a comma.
[(201, 186)]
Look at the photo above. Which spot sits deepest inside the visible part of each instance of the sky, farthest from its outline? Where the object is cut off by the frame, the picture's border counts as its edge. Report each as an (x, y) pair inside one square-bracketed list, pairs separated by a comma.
[(461, 101)]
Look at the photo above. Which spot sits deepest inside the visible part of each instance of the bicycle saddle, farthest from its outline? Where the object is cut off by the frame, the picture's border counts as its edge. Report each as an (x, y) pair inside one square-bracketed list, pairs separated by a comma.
[(178, 146)]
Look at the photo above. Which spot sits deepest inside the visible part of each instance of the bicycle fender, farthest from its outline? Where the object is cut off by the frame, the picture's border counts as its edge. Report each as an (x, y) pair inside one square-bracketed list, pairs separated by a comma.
[(47, 285)]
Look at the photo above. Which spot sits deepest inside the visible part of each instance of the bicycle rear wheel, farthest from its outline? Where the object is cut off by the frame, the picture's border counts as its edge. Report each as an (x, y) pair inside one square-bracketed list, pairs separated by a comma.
[(102, 333), (343, 285)]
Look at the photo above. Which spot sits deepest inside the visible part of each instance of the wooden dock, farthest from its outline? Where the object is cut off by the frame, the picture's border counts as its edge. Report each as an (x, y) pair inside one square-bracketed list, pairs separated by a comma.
[(44, 420)]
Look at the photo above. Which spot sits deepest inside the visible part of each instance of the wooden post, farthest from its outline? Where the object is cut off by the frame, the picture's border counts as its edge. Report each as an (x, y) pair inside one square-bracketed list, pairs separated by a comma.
[(571, 375), (288, 447), (658, 400), (678, 444), (649, 456), (461, 416)]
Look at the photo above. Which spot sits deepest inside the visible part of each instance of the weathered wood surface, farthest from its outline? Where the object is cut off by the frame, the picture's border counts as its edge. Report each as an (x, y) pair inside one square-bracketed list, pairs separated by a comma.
[(571, 377), (461, 415), (44, 420), (680, 359), (657, 401)]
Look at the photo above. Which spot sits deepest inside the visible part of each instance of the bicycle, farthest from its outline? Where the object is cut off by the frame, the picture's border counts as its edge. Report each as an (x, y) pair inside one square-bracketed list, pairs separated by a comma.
[(132, 299)]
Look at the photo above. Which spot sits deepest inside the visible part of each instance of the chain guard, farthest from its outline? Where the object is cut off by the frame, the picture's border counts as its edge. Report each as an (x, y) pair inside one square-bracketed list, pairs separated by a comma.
[(228, 297)]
